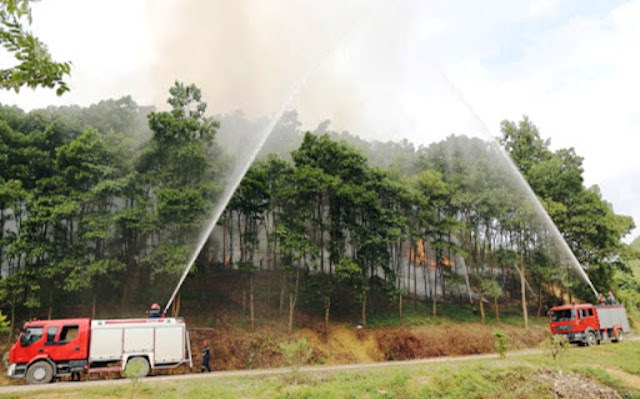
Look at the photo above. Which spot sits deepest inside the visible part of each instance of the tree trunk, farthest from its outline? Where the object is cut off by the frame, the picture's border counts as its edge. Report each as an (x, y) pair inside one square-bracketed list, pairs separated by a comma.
[(539, 300), (364, 309), (125, 289), (93, 304), (415, 280), (482, 315), (241, 244), (176, 306), (266, 234), (523, 292), (282, 286), (244, 294), (327, 308), (293, 297), (467, 282), (231, 246), (12, 320), (50, 312), (253, 326), (224, 244), (495, 304), (435, 295), (523, 282), (425, 278), (524, 298), (400, 305), (268, 298), (203, 290)]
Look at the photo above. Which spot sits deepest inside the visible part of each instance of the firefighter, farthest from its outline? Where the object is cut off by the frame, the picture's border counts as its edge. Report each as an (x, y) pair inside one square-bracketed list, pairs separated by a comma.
[(206, 357), (611, 300), (154, 311), (601, 299)]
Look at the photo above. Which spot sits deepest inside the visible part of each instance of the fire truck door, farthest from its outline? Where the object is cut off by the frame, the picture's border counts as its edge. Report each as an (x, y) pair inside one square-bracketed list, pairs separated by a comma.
[(31, 344), (67, 345)]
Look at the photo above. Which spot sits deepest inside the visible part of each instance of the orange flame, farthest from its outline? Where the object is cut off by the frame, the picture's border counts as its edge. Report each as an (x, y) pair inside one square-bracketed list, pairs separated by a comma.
[(420, 256)]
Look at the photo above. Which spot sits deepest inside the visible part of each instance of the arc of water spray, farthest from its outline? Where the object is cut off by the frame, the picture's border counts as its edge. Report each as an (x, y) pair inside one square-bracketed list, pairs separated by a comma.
[(228, 194), (204, 236), (541, 211)]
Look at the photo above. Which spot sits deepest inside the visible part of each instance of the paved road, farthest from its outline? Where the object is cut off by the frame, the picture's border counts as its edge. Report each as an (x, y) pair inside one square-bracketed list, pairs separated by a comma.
[(275, 371)]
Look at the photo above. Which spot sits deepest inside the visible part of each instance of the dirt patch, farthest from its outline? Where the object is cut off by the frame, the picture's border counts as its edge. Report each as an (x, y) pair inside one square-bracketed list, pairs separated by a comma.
[(571, 385), (446, 340), (629, 379)]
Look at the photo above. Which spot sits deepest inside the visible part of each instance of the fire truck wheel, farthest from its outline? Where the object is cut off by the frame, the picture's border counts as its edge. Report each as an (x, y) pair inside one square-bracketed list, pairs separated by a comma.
[(591, 339), (137, 367), (40, 373)]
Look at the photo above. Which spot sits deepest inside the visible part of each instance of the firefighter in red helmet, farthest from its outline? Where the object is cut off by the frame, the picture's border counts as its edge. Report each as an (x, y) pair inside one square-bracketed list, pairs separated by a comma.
[(155, 311)]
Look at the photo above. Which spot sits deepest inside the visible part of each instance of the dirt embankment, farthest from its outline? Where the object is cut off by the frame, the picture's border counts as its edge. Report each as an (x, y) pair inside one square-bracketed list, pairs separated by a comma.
[(234, 349), (447, 340)]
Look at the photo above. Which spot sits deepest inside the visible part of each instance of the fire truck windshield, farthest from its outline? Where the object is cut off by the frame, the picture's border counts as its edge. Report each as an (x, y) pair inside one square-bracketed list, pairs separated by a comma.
[(31, 335), (563, 315)]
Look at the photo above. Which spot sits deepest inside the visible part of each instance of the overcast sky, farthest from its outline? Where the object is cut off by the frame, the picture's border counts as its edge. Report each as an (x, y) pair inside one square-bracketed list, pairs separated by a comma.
[(419, 70)]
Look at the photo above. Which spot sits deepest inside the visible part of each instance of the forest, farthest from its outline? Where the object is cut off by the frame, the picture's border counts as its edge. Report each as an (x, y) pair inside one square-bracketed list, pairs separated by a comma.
[(102, 205)]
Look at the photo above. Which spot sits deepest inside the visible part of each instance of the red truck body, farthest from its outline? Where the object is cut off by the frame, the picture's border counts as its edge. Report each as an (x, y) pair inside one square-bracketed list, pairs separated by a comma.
[(47, 349), (587, 324)]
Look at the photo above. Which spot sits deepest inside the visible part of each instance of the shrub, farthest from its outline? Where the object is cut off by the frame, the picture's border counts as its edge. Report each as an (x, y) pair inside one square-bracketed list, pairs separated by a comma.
[(296, 353), (556, 346), (501, 342), (4, 324)]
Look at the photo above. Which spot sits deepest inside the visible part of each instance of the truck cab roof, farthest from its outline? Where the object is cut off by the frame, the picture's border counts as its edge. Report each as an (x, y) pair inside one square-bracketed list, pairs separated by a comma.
[(79, 321), (573, 306)]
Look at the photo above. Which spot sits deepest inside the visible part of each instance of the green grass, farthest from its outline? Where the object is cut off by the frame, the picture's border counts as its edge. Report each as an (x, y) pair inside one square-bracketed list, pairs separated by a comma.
[(512, 377), (625, 357), (422, 314)]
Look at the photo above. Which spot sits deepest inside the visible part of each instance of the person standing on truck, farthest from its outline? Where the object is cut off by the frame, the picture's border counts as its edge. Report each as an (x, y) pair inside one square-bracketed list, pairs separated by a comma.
[(154, 312), (601, 299), (611, 300), (206, 357)]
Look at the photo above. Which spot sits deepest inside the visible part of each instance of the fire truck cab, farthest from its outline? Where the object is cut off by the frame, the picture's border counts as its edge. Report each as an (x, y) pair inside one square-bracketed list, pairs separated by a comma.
[(55, 347)]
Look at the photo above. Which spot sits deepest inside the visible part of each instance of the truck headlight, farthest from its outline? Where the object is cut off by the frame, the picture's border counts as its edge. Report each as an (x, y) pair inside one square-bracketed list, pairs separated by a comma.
[(11, 370)]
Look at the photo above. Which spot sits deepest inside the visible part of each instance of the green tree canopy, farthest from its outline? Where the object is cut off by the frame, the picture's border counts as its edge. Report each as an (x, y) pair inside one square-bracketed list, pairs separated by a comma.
[(34, 67)]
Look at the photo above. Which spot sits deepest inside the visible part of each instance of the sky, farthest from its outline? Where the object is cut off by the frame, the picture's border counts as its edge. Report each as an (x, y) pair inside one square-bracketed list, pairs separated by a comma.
[(386, 70)]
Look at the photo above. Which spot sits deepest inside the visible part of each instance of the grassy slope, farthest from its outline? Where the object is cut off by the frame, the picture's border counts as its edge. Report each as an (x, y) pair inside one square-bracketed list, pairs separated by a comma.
[(614, 366)]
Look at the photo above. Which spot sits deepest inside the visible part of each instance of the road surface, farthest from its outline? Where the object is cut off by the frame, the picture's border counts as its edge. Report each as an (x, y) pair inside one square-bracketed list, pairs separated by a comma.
[(242, 373), (275, 371)]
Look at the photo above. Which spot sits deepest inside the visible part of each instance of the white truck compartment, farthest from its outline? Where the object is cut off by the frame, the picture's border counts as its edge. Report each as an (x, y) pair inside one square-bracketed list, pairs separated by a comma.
[(106, 344), (170, 343), (163, 339), (613, 315)]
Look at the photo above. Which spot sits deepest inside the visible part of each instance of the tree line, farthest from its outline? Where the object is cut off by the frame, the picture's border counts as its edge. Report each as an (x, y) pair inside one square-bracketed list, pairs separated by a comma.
[(105, 202)]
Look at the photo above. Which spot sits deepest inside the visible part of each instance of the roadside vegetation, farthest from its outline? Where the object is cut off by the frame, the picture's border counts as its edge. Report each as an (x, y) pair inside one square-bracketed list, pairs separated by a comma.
[(607, 371)]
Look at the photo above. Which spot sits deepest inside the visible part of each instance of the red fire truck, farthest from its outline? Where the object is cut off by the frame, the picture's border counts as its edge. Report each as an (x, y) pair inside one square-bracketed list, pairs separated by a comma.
[(586, 324), (47, 349)]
